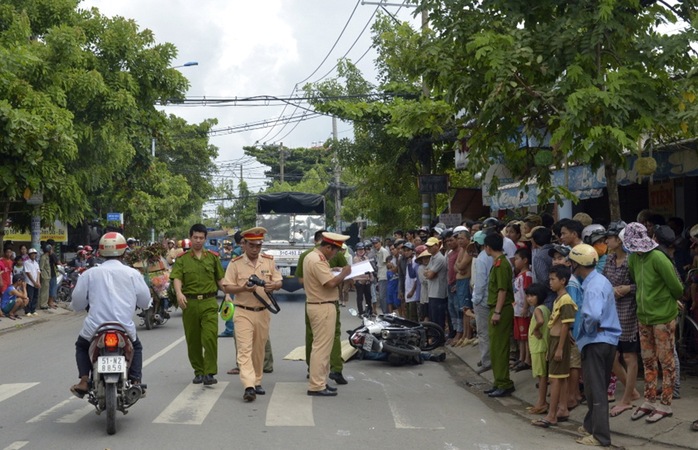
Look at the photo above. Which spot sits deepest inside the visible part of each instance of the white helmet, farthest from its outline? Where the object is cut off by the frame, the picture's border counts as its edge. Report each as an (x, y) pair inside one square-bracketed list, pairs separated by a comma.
[(112, 244), (593, 233)]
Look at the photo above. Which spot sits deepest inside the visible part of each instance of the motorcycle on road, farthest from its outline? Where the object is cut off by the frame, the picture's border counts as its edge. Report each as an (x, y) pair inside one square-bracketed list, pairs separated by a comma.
[(111, 352), (395, 335)]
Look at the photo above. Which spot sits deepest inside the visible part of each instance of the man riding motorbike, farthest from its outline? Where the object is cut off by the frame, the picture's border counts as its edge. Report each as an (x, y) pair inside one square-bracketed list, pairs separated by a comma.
[(114, 290)]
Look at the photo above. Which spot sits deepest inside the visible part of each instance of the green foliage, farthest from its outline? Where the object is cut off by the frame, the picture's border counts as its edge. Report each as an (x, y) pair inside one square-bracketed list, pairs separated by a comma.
[(77, 116), (297, 161), (596, 76), (243, 213)]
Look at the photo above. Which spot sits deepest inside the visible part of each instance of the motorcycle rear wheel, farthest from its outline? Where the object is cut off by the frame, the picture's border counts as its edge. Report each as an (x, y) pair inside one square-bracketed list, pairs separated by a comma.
[(435, 336), (110, 406)]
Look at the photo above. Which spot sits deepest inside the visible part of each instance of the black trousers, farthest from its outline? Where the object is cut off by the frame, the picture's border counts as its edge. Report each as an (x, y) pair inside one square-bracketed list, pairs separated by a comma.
[(597, 363), (82, 357), (363, 294)]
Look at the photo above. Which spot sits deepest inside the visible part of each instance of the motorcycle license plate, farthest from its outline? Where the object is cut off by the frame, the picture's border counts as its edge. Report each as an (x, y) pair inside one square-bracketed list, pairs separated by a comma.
[(368, 343), (111, 364)]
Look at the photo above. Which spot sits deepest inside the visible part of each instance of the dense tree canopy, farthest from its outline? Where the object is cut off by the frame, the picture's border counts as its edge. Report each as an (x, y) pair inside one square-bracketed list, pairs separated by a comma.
[(77, 117)]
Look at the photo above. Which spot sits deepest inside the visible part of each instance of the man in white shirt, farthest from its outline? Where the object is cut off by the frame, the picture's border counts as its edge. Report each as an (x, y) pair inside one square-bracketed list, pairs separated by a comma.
[(112, 290), (33, 277)]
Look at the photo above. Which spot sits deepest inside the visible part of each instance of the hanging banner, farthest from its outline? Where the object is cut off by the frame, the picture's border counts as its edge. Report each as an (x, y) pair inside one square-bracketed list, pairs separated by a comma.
[(58, 232)]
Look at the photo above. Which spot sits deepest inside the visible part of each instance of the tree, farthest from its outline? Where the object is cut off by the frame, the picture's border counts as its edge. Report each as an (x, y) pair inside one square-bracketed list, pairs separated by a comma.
[(297, 161), (78, 117), (243, 213), (592, 78)]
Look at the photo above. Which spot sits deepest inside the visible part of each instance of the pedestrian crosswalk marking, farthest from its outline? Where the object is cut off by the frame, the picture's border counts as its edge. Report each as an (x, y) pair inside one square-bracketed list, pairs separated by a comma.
[(404, 413), (192, 405), (16, 445), (76, 415), (39, 417), (12, 389), (290, 406)]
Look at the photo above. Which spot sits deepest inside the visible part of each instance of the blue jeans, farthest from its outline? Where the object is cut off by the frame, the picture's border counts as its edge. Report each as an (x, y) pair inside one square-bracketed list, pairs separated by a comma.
[(437, 311), (454, 313), (229, 328)]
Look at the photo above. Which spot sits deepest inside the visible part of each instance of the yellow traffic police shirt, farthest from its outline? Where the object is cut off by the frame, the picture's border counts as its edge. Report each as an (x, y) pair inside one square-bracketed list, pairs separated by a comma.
[(241, 268), (316, 272)]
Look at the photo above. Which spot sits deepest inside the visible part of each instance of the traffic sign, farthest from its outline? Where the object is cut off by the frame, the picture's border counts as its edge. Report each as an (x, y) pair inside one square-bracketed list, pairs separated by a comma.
[(115, 217)]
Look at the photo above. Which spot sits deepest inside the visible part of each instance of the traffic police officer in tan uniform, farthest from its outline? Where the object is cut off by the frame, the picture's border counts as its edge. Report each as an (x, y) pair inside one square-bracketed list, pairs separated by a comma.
[(320, 285), (251, 317)]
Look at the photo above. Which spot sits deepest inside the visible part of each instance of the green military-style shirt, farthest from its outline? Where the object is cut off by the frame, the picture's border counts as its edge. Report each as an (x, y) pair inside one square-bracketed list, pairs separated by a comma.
[(339, 260), (501, 278), (198, 276)]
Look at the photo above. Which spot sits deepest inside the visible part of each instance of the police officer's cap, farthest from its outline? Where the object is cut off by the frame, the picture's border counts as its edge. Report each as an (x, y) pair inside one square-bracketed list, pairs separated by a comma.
[(333, 238), (254, 234)]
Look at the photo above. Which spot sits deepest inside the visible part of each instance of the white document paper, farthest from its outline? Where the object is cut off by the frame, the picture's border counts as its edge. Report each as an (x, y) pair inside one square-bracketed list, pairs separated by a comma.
[(359, 268)]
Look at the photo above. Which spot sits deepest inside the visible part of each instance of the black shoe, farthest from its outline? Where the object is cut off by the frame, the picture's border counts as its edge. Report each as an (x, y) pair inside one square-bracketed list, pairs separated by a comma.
[(502, 392), (338, 378), (330, 388), (259, 390), (198, 379), (226, 335), (323, 393), (250, 395), (209, 380), (490, 390), (441, 357), (268, 370)]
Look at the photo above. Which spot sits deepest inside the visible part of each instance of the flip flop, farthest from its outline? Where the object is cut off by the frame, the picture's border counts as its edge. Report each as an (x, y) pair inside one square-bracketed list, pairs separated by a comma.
[(563, 418), (76, 391), (619, 409), (657, 415), (234, 371), (542, 423), (538, 410), (641, 412)]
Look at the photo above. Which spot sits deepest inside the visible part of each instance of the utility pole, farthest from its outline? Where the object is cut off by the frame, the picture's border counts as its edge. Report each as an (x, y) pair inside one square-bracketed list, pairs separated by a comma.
[(152, 153), (426, 165), (337, 175), (281, 164)]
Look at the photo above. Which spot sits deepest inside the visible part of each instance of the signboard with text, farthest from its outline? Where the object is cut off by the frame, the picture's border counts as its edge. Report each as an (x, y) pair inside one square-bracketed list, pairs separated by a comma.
[(661, 197), (58, 232), (433, 184)]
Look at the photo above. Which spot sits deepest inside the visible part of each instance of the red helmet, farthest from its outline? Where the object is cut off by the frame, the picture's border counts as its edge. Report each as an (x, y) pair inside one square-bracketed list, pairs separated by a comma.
[(88, 249), (186, 244)]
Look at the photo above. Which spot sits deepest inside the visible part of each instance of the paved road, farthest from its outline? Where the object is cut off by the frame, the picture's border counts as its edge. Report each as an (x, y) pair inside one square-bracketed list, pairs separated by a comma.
[(426, 407)]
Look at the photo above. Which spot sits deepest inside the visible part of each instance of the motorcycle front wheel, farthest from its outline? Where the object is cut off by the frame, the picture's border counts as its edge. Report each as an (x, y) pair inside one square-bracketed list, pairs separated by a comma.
[(148, 319), (403, 349), (110, 406), (435, 336)]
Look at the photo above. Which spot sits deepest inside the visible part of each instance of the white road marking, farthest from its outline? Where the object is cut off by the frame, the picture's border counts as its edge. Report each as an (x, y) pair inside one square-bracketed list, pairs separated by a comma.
[(11, 389), (16, 445), (76, 415), (192, 405), (42, 415), (163, 351), (82, 412), (290, 406)]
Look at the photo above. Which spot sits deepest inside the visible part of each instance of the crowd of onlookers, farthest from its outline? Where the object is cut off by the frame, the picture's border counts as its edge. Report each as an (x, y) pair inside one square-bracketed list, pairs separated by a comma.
[(583, 304)]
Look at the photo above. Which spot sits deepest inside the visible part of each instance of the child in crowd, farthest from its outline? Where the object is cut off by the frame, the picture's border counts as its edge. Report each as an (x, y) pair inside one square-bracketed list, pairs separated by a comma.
[(14, 297), (560, 323), (522, 312), (538, 336)]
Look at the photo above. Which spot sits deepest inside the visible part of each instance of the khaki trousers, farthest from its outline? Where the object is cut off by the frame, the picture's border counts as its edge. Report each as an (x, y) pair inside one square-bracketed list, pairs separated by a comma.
[(322, 323), (251, 334)]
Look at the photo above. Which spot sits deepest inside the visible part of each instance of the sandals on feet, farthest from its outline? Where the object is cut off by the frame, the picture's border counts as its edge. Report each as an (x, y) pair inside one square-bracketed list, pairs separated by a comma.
[(658, 415), (542, 423), (620, 409), (641, 412), (77, 391), (540, 409)]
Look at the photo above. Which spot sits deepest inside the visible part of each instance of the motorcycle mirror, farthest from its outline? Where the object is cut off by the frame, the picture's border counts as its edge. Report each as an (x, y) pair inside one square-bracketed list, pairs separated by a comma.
[(353, 312)]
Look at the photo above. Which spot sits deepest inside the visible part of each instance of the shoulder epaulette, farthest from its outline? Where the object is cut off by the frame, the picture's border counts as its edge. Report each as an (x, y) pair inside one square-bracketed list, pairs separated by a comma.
[(322, 257), (236, 258), (264, 255)]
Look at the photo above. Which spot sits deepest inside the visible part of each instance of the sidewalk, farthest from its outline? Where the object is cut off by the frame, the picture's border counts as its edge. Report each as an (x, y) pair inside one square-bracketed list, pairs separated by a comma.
[(672, 431), (7, 325)]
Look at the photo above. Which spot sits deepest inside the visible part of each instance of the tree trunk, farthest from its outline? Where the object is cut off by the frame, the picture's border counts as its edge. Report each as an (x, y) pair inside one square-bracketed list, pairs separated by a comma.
[(612, 189)]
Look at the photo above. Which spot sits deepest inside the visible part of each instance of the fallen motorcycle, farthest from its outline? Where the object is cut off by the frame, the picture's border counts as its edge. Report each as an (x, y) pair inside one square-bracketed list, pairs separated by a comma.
[(111, 352), (389, 333)]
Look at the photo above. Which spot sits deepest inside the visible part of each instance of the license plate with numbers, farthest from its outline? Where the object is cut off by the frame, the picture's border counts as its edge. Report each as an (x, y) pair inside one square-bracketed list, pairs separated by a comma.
[(368, 342), (111, 364)]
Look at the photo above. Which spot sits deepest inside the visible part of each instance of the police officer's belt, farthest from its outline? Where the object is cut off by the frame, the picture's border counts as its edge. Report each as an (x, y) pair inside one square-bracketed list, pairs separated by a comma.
[(249, 308), (200, 296), (322, 303)]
